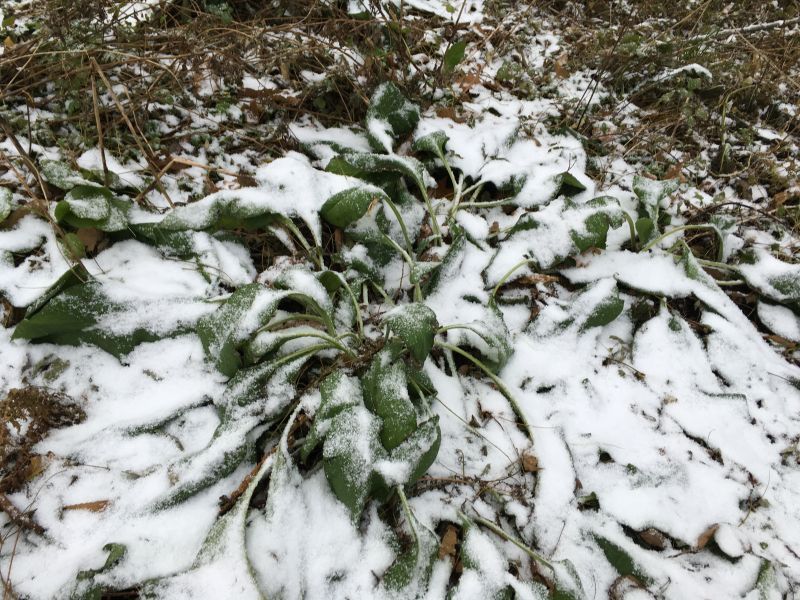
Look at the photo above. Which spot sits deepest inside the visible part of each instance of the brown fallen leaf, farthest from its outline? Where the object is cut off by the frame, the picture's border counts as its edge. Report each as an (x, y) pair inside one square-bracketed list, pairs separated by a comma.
[(706, 536), (449, 541), (530, 463), (560, 66), (653, 538), (95, 506), (89, 237)]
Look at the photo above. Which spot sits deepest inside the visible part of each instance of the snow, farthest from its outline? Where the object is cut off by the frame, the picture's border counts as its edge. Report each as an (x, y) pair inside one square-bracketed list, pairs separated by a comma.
[(680, 420)]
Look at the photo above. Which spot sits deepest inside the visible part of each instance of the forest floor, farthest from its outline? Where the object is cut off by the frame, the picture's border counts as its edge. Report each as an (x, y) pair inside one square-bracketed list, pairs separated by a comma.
[(399, 299)]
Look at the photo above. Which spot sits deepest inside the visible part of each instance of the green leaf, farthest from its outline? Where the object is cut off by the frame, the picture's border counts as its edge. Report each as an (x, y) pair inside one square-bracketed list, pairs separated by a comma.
[(604, 312), (621, 560), (389, 116), (92, 206), (650, 194), (489, 336), (61, 175), (70, 317), (217, 330), (74, 246), (349, 453), (5, 203), (365, 166), (385, 391), (419, 450), (339, 393), (350, 205), (645, 229), (433, 142), (416, 325), (412, 569), (453, 55), (116, 552), (569, 185)]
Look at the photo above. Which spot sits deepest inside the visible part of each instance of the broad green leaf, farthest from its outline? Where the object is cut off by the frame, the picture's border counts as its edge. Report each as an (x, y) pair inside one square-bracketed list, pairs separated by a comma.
[(86, 588), (366, 166), (621, 560), (412, 569), (221, 332), (220, 211), (61, 175), (650, 194), (92, 206), (350, 205), (71, 317), (596, 306), (74, 246), (453, 55), (350, 450), (116, 552), (489, 336), (416, 325), (568, 184), (604, 212), (5, 203), (339, 392), (418, 450), (389, 116), (385, 389), (433, 142), (771, 277), (645, 229)]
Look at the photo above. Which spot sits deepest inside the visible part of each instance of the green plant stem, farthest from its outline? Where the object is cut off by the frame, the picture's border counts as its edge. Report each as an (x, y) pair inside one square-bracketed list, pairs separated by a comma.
[(322, 336), (411, 265), (508, 274), (632, 228), (497, 381), (407, 510), (666, 234), (456, 187), (434, 223), (313, 253), (356, 307), (402, 224), (716, 265), (304, 352), (499, 531), (295, 317)]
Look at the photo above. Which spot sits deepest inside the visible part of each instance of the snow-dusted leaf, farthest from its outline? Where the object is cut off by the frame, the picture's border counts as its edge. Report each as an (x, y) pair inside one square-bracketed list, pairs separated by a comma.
[(650, 194), (774, 279), (412, 569), (73, 316), (92, 206), (489, 336), (223, 331), (5, 203), (385, 389), (85, 587), (339, 392), (416, 325), (350, 205), (621, 560), (61, 175), (433, 142), (350, 450), (413, 457), (453, 55), (367, 166), (568, 184), (389, 116)]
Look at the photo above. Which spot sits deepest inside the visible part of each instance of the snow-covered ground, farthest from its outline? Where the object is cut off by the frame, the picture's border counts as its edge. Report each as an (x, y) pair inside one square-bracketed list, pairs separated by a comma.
[(634, 432)]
